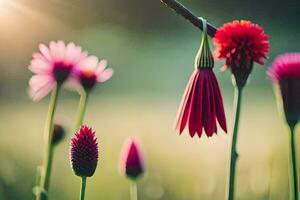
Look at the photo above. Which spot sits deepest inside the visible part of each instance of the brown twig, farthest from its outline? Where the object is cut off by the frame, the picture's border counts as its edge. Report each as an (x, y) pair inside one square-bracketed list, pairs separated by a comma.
[(187, 14)]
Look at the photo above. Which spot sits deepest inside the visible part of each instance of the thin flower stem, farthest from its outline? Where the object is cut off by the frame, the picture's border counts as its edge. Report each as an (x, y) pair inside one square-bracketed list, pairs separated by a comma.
[(81, 108), (82, 189), (46, 171), (234, 154), (187, 14), (133, 191), (293, 166)]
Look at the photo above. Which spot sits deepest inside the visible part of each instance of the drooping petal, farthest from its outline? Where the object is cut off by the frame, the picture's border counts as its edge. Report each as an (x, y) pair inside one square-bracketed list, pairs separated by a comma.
[(220, 113), (198, 116), (214, 106), (182, 115), (206, 114), (193, 106)]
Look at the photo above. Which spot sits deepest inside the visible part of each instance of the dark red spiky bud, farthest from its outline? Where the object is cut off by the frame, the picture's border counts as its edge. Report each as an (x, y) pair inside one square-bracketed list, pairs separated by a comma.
[(84, 152)]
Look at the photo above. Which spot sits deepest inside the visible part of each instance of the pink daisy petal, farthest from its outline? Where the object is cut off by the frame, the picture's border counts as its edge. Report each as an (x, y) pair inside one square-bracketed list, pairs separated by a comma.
[(105, 75), (53, 50), (45, 51), (40, 85), (70, 53), (39, 67), (60, 50), (101, 66), (42, 92), (39, 56), (90, 63)]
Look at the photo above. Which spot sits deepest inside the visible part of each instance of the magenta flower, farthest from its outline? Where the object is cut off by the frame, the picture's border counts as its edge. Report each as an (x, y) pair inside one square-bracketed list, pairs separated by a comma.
[(285, 71), (53, 65), (202, 103), (132, 162), (84, 152), (91, 71)]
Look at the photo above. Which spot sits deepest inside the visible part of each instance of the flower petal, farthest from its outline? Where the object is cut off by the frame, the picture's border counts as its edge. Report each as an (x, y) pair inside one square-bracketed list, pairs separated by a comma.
[(101, 66), (40, 86), (220, 113), (182, 114), (193, 110), (46, 52), (105, 75)]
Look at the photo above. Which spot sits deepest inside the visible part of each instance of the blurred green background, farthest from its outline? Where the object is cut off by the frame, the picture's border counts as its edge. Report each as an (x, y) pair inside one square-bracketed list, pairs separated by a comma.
[(151, 50)]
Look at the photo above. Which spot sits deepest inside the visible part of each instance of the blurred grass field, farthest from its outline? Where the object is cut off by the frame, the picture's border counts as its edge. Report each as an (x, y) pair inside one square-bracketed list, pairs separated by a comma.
[(178, 167), (152, 51)]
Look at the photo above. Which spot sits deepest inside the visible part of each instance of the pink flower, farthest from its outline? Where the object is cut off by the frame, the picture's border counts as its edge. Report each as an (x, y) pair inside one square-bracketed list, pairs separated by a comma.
[(201, 105), (91, 71), (284, 66), (84, 152), (285, 71), (52, 66), (132, 162)]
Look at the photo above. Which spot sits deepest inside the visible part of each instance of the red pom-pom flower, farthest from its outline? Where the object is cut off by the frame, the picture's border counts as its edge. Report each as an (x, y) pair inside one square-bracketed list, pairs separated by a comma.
[(84, 152), (241, 43)]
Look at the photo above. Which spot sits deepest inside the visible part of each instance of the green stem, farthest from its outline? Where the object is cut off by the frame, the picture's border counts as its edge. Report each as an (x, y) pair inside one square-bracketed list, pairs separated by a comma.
[(293, 165), (83, 187), (234, 154), (81, 109), (133, 191), (46, 172)]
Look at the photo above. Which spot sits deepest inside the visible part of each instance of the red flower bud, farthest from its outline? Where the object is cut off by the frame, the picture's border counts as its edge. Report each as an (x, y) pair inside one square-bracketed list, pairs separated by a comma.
[(84, 152)]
